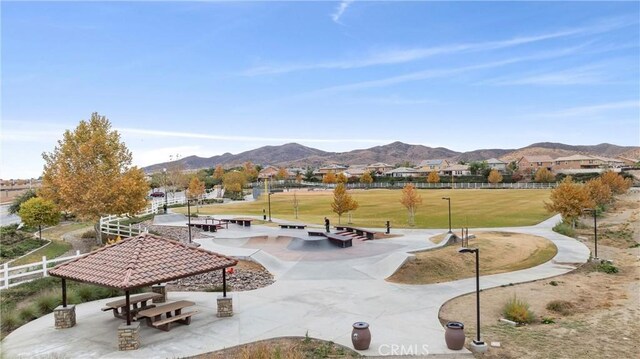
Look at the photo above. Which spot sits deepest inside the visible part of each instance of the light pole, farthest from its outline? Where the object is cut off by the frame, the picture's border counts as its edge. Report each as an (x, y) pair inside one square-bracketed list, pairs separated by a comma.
[(449, 200), (478, 344), (595, 229), (269, 196), (164, 188), (189, 216)]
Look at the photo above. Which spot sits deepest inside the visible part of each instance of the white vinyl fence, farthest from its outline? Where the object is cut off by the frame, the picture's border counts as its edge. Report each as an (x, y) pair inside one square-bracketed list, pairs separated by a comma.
[(12, 276)]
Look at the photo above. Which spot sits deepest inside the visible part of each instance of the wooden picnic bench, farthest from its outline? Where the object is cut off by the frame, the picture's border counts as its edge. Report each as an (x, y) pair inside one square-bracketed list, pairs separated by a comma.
[(172, 312), (292, 226), (359, 231), (119, 307), (339, 240)]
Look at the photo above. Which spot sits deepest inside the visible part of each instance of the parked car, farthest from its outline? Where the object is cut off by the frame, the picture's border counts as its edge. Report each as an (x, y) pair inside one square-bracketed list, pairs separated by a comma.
[(157, 194)]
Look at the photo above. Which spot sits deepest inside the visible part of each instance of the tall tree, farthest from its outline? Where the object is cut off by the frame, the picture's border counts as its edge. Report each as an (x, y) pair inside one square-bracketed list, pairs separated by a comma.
[(617, 183), (329, 178), (569, 199), (433, 177), (89, 173), (543, 175), (38, 212), (342, 201), (282, 173), (494, 177), (478, 168), (599, 192), (195, 190), (411, 199), (308, 174), (218, 173), (250, 171), (296, 204), (366, 178), (341, 178), (298, 177), (234, 182)]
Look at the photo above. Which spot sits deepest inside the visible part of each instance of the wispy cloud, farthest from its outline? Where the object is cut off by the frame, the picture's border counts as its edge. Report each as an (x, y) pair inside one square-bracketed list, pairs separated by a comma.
[(168, 134), (390, 57), (340, 9), (591, 110), (586, 75)]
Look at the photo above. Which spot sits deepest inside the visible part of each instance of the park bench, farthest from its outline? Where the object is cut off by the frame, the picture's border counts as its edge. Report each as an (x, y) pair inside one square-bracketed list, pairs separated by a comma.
[(245, 222), (292, 226), (359, 231), (316, 233), (172, 312), (339, 240), (119, 307)]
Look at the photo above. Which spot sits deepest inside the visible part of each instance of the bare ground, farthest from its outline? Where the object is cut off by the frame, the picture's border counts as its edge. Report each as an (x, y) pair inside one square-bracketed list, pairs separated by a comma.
[(605, 320)]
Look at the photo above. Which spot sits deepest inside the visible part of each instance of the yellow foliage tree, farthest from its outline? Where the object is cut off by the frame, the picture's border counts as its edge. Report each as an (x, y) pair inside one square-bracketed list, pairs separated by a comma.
[(329, 178), (282, 173), (342, 201), (36, 212), (569, 199), (494, 177), (433, 177), (89, 173), (543, 175), (341, 178), (218, 173), (617, 183), (411, 199), (250, 171), (366, 178), (599, 192), (196, 188), (234, 182)]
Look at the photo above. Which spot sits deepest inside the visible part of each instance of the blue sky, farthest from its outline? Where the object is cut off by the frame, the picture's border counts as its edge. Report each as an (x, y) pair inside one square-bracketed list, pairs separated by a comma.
[(207, 78)]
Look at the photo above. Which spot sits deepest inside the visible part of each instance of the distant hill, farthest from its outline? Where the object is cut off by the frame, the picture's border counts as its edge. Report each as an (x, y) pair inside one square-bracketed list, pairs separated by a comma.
[(296, 155)]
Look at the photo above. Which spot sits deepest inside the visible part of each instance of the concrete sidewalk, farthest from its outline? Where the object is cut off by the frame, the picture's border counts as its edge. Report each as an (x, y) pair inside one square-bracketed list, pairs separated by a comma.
[(321, 298)]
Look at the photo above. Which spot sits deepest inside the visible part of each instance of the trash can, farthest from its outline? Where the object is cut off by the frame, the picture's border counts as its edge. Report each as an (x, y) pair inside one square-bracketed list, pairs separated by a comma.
[(361, 336), (454, 335)]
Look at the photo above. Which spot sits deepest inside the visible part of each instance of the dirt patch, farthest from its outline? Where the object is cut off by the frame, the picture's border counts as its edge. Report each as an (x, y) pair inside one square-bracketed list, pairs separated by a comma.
[(501, 252), (285, 348), (602, 319)]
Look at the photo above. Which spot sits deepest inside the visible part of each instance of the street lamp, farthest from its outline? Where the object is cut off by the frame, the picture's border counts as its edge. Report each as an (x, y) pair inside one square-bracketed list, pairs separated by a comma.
[(164, 188), (269, 196), (595, 228), (189, 216), (478, 344), (449, 200)]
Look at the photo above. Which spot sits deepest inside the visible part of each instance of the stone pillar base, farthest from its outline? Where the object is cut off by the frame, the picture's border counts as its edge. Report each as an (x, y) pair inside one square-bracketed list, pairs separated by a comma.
[(160, 289), (225, 306), (65, 317), (128, 336)]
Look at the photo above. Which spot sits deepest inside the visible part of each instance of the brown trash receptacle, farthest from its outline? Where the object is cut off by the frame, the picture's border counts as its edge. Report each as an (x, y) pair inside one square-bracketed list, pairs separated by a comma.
[(454, 335), (361, 336)]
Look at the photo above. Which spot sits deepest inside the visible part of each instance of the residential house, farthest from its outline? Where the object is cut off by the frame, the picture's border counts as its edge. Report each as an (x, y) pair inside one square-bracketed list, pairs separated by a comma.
[(379, 167), (496, 164), (576, 162), (268, 172), (427, 166), (455, 170), (531, 164), (356, 170), (610, 162), (330, 168), (403, 172)]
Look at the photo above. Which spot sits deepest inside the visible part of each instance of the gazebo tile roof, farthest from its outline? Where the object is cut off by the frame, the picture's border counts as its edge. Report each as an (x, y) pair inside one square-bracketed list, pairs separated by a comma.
[(141, 261)]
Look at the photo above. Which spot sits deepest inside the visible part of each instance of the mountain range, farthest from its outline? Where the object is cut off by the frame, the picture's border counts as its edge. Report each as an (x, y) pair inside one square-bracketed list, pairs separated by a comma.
[(296, 155)]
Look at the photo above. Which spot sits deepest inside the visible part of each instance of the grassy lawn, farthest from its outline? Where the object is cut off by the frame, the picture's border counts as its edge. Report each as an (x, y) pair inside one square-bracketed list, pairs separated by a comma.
[(500, 252), (469, 208), (57, 247)]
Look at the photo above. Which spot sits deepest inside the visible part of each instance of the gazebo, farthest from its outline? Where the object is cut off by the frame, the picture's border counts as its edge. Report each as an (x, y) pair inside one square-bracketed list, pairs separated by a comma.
[(137, 262)]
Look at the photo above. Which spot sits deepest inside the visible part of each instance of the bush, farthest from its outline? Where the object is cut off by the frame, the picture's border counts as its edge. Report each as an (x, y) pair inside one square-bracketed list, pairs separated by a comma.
[(561, 306), (9, 321), (47, 302), (518, 311), (564, 229), (29, 313), (554, 283), (86, 293), (607, 267), (546, 320), (89, 234)]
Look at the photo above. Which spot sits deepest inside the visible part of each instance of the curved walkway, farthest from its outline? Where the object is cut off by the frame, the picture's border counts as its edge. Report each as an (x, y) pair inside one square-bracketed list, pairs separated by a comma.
[(321, 298)]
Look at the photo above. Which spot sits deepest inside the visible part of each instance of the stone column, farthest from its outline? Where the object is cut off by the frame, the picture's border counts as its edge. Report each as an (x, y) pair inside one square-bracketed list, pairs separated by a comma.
[(128, 336), (225, 306), (65, 317), (160, 289)]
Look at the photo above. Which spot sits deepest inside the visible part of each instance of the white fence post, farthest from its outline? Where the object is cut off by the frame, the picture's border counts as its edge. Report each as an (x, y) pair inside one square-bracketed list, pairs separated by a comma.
[(44, 266)]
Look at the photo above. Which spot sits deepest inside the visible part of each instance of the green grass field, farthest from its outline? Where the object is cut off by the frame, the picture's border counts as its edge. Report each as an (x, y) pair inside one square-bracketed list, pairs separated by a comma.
[(469, 208)]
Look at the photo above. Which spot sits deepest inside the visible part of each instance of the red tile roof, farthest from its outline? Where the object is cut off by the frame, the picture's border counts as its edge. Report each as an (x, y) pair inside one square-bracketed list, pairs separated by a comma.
[(141, 261)]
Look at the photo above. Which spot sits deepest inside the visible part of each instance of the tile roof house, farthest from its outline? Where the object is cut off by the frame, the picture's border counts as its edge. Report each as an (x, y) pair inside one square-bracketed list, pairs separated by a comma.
[(379, 167), (403, 172), (530, 164), (330, 168), (496, 164), (356, 170), (455, 170), (432, 165), (577, 162), (268, 172)]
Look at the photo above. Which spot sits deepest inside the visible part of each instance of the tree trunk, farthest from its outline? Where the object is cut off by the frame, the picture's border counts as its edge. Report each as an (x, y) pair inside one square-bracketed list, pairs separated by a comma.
[(40, 231)]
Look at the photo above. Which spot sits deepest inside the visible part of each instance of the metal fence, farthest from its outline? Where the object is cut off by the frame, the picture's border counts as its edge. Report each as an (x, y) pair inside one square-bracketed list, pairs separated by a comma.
[(12, 276)]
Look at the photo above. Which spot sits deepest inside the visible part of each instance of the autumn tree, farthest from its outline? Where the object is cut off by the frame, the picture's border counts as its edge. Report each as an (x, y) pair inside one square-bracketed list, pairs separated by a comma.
[(296, 204), (329, 178), (433, 177), (599, 192), (366, 178), (411, 199), (342, 201), (543, 175), (494, 177), (89, 173), (298, 177), (218, 173), (282, 173), (251, 173), (38, 212), (234, 182), (616, 182), (569, 199), (341, 178)]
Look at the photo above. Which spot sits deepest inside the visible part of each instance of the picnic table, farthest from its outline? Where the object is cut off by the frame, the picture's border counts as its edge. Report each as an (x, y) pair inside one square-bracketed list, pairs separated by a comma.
[(119, 307), (172, 312)]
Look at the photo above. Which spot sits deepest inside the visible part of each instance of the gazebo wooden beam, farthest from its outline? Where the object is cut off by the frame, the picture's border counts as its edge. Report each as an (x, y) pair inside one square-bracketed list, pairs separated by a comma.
[(64, 293), (224, 282), (127, 299)]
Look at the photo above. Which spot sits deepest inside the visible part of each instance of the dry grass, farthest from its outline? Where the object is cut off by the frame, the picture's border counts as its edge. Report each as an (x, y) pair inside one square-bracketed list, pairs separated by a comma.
[(500, 252), (283, 348)]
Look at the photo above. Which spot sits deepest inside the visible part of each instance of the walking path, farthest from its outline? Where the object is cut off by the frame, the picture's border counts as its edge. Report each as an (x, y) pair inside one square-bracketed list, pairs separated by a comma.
[(321, 297)]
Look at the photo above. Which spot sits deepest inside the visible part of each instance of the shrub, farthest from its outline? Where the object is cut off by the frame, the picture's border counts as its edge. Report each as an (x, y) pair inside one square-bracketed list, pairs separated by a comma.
[(554, 283), (564, 229), (29, 313), (561, 306), (47, 302), (607, 267), (9, 321), (89, 234), (86, 293), (518, 311), (73, 297), (546, 320)]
